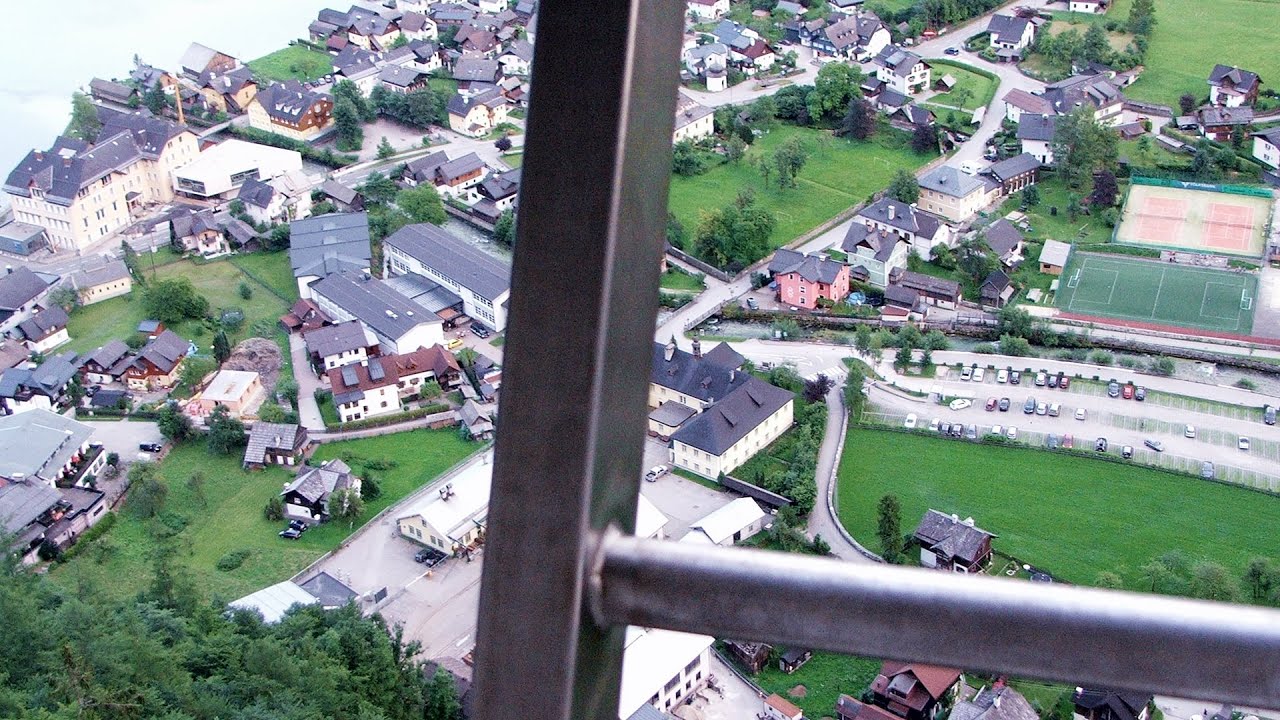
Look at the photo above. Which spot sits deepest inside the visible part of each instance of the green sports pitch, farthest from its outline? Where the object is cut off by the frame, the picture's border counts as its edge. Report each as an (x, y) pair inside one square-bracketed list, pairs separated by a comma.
[(1159, 293)]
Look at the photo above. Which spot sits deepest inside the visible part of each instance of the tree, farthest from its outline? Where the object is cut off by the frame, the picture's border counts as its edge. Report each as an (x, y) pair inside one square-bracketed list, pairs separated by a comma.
[(171, 301), (1109, 580), (349, 91), (221, 347), (734, 237), (859, 120), (686, 160), (973, 259), (274, 510), (816, 389), (1014, 346), (889, 528), (1260, 577), (503, 143), (245, 291), (225, 432), (862, 339), (384, 149), (173, 424), (1187, 103), (65, 297), (792, 103), (346, 504), (1083, 147), (195, 483), (379, 188), (1237, 137), (1105, 190), (442, 698), (902, 360), (925, 139), (1142, 17), (1211, 581), (676, 232), (147, 493), (155, 100), (422, 203), (1094, 47), (904, 187), (789, 159), (278, 238), (935, 340), (734, 149), (835, 85), (346, 121), (504, 230), (85, 124), (1030, 196)]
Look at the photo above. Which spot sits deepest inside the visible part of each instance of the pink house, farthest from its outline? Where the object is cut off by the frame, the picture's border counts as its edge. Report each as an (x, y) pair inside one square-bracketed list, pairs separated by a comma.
[(802, 279)]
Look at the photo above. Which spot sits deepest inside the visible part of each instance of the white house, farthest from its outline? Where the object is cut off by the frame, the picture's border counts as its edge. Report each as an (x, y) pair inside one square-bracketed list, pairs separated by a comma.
[(1036, 132), (902, 70), (345, 343), (1266, 147), (481, 281), (650, 521), (1093, 7), (1010, 32), (219, 171), (736, 427), (704, 10), (21, 290), (694, 121), (662, 668), (922, 230), (451, 518), (732, 523)]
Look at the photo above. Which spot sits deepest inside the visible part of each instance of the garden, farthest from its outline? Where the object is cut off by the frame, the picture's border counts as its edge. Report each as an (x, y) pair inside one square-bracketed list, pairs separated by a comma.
[(296, 62)]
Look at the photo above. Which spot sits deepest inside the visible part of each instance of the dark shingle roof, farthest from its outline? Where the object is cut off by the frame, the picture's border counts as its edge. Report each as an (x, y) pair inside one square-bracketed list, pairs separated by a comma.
[(316, 483), (275, 436), (1013, 167), (288, 101), (1037, 127), (951, 537), (1122, 705), (165, 351), (813, 268), (710, 378), (108, 355), (22, 502), (1241, 79), (717, 428), (995, 703), (1003, 237), (383, 310), (904, 217), (20, 287), (927, 283), (454, 258), (334, 339), (109, 272), (1007, 28), (257, 193), (43, 323), (476, 70)]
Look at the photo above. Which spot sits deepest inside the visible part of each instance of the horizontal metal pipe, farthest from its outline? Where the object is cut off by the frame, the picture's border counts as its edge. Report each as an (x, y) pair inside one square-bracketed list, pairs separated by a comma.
[(1080, 636)]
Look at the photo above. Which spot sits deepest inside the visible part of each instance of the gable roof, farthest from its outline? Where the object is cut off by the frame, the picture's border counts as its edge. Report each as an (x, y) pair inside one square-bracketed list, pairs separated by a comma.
[(1003, 237), (164, 351), (38, 443), (709, 378), (111, 271), (720, 524), (1010, 168), (717, 428), (1037, 127), (197, 57), (950, 181), (317, 483), (107, 355), (999, 702), (935, 680), (1210, 116), (1027, 102), (48, 379), (454, 258), (257, 193), (951, 537), (1079, 90), (44, 323), (1226, 75), (288, 101), (476, 70), (926, 284), (385, 311), (995, 284), (1007, 28), (19, 287), (335, 339), (22, 503), (1055, 252), (315, 242), (811, 268), (265, 436), (110, 90), (1123, 705), (904, 218)]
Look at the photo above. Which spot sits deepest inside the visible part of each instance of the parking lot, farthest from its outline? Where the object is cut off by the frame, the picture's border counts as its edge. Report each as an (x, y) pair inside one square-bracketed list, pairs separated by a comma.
[(119, 436)]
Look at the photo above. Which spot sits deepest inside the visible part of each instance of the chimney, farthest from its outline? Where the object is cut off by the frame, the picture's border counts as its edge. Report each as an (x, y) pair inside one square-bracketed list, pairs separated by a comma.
[(892, 210), (697, 349), (670, 351), (8, 269)]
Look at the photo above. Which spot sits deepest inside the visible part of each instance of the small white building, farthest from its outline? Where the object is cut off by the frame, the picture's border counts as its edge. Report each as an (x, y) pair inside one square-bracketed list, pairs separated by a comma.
[(1266, 147), (649, 520), (453, 515), (662, 668), (274, 601), (1092, 7), (219, 171), (732, 523), (704, 10)]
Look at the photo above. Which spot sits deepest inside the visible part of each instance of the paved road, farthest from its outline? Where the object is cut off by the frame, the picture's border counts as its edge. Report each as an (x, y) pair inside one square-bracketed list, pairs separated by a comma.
[(308, 383), (749, 90)]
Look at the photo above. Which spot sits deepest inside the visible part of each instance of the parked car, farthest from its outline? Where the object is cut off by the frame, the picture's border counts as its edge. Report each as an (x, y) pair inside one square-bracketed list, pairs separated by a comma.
[(1139, 393), (151, 447), (1126, 452), (1269, 414), (991, 404), (298, 525), (479, 331), (960, 404), (655, 472), (290, 533), (1068, 442), (1206, 470), (957, 430), (910, 422), (1011, 433), (971, 432), (1113, 389), (945, 429), (1100, 445), (952, 50), (1081, 414), (1190, 432), (1053, 381), (1041, 408), (966, 372), (979, 374), (1002, 376), (1015, 378), (453, 343), (1051, 442), (1004, 404), (1029, 406), (92, 390), (1243, 443), (1055, 409), (752, 304), (997, 430), (1041, 379), (1127, 392), (1064, 381), (935, 425), (429, 556), (1154, 444)]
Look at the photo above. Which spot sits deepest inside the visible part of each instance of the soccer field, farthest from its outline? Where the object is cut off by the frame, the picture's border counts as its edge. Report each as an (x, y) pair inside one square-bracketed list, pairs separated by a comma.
[(1155, 292)]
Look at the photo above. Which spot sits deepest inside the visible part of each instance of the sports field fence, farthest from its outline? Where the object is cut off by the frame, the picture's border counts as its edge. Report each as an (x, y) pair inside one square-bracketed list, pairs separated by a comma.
[(1208, 187)]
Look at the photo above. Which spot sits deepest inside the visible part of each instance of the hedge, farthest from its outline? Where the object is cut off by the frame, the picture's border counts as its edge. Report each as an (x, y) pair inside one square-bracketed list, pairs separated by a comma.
[(106, 523), (324, 157), (397, 418)]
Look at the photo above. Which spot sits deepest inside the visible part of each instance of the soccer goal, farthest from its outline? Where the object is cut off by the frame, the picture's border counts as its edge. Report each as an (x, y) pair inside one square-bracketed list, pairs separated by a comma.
[(1246, 302)]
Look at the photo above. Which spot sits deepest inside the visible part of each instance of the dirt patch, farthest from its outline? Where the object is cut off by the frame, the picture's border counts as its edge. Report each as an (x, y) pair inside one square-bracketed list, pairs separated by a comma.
[(798, 691), (257, 355)]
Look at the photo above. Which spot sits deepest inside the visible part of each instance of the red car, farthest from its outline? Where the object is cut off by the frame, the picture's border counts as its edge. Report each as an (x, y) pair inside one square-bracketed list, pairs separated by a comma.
[(1127, 392), (1064, 382), (1068, 442), (991, 404)]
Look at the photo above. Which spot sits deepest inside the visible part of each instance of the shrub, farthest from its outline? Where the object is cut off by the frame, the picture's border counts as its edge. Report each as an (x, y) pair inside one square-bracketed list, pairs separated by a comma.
[(113, 459), (1162, 366), (1102, 357), (233, 560), (1246, 384), (274, 510)]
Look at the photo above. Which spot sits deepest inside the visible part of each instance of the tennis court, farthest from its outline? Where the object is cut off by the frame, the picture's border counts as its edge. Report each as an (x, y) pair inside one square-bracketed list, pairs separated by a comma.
[(1198, 220), (1161, 293)]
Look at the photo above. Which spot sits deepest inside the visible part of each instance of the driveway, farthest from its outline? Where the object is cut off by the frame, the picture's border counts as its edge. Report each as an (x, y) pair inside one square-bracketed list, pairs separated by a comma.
[(308, 383), (123, 437)]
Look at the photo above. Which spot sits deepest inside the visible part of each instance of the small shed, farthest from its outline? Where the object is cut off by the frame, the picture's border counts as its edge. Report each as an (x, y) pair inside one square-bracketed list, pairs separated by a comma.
[(274, 601), (793, 659)]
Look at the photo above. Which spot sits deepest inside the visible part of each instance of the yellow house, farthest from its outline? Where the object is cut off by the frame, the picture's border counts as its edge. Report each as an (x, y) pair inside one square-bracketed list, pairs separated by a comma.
[(102, 283), (99, 186), (240, 391), (451, 517), (693, 121), (291, 110), (730, 432), (477, 115), (955, 195), (229, 92)]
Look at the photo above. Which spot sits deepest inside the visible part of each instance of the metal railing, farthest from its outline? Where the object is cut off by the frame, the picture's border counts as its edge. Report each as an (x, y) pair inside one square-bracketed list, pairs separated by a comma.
[(560, 583)]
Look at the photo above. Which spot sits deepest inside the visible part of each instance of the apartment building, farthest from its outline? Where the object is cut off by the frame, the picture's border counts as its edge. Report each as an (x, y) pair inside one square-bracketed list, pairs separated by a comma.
[(482, 281)]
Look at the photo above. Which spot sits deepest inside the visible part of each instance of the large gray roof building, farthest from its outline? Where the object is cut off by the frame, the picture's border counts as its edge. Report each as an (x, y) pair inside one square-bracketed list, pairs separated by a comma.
[(327, 244), (39, 443), (480, 279), (720, 426), (399, 323)]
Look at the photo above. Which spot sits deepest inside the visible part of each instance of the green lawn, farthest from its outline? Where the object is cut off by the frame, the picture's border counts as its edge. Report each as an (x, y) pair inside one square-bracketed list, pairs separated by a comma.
[(513, 160), (1191, 36), (677, 279), (840, 173), (447, 87), (295, 62), (980, 88), (1073, 516), (219, 281), (825, 678), (271, 268), (1155, 154), (1044, 224), (231, 517)]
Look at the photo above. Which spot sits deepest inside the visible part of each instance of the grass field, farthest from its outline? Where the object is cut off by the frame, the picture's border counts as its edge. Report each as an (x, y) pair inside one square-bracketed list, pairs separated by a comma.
[(271, 268), (1046, 225), (1191, 36), (980, 87), (231, 518), (825, 678), (677, 279), (840, 173), (1073, 516), (292, 63), (1164, 293), (218, 281)]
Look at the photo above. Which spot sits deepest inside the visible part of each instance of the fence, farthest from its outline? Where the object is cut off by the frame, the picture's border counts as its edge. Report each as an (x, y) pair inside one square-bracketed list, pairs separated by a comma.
[(1149, 108), (1209, 187), (711, 270)]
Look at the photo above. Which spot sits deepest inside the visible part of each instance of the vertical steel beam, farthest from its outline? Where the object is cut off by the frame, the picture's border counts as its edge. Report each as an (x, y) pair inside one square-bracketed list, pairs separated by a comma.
[(579, 348)]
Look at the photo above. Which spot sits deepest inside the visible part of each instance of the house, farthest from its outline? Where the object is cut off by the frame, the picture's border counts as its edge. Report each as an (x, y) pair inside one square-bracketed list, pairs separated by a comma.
[(111, 279), (955, 195), (856, 37), (23, 389), (45, 447), (157, 363), (303, 317), (45, 330), (452, 519), (477, 114), (668, 418), (848, 708), (706, 10), (517, 58), (221, 169), (1017, 102), (914, 691), (201, 232), (904, 303), (456, 179), (1035, 134), (948, 543), (747, 50), (22, 238), (1099, 704), (694, 121), (274, 602), (874, 253), (21, 291), (151, 329), (327, 244), (938, 292), (1014, 173), (106, 364), (498, 193), (709, 62), (199, 59), (691, 378), (291, 110), (113, 92), (82, 192), (481, 281), (1093, 7), (418, 27), (365, 390), (1087, 90), (1005, 241), (777, 707), (1266, 147), (1054, 256), (239, 391), (275, 444), (228, 92), (340, 344), (1233, 87), (1219, 123), (345, 199), (751, 655), (998, 702), (901, 70), (12, 353), (996, 290), (477, 420), (911, 116), (33, 514), (307, 497), (477, 70), (1010, 32), (286, 198), (661, 669), (730, 431), (403, 80), (793, 659), (920, 229), (398, 323), (804, 279), (370, 30), (732, 523)]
